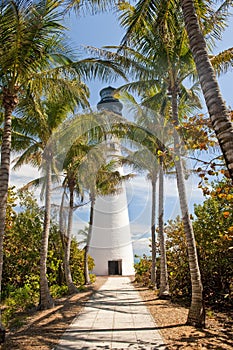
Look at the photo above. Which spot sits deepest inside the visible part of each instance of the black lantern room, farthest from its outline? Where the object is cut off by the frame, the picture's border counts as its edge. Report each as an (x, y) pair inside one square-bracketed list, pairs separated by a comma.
[(108, 101)]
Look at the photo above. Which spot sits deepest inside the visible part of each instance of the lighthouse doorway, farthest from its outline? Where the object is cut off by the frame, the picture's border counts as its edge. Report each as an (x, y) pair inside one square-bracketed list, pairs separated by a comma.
[(115, 267)]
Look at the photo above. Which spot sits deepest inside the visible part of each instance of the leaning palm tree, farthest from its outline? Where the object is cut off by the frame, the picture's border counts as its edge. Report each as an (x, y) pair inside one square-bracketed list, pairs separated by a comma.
[(219, 115)]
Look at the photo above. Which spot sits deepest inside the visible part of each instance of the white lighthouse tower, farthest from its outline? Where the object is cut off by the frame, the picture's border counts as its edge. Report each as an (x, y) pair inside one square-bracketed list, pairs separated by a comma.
[(111, 245)]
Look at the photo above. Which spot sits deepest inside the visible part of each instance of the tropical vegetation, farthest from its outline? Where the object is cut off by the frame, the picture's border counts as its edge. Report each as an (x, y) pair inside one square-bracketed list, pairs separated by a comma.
[(46, 122), (214, 247)]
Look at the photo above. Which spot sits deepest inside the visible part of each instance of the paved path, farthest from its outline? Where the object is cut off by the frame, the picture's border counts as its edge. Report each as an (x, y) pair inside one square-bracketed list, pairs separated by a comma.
[(114, 318)]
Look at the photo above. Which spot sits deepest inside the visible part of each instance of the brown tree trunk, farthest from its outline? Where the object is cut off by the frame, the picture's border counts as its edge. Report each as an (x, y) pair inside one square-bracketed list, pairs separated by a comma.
[(196, 316), (164, 286), (86, 250), (217, 109), (9, 101), (153, 235), (46, 301), (71, 286)]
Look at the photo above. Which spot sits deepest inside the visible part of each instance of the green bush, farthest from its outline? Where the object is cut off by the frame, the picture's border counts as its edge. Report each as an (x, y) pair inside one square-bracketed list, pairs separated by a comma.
[(143, 271), (57, 291), (21, 274), (213, 229), (19, 300)]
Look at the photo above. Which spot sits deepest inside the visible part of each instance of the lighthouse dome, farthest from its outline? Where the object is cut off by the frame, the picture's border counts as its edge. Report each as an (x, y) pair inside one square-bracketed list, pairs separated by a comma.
[(108, 101)]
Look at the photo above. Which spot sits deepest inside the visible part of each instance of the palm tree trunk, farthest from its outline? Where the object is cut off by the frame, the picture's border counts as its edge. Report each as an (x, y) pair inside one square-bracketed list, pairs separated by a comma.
[(164, 286), (217, 110), (153, 236), (71, 287), (61, 221), (9, 101), (46, 301), (196, 316), (86, 250)]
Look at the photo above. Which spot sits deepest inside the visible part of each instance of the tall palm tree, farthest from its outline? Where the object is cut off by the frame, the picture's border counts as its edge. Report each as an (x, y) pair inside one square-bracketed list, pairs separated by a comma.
[(41, 119), (33, 56), (144, 160), (24, 50), (199, 20), (74, 157), (99, 176), (164, 286), (166, 48), (219, 115), (156, 123), (154, 120)]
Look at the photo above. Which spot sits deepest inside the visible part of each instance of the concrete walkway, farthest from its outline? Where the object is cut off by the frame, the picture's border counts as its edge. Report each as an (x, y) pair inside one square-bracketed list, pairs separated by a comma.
[(114, 318)]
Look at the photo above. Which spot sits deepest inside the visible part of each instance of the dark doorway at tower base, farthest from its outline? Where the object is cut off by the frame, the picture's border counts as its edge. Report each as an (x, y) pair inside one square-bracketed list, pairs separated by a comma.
[(115, 267)]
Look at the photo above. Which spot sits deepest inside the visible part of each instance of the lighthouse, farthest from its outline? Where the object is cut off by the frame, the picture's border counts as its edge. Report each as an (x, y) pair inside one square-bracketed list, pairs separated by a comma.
[(111, 244)]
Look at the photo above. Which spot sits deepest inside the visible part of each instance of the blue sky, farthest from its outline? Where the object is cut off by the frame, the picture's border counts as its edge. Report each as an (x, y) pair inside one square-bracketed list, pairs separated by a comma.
[(104, 30)]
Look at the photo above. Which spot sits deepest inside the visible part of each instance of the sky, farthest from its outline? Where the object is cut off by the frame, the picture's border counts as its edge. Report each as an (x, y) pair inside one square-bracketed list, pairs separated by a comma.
[(98, 31)]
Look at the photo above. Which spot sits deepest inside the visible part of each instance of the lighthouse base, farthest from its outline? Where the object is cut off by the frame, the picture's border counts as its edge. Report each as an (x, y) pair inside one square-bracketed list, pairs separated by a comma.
[(108, 262)]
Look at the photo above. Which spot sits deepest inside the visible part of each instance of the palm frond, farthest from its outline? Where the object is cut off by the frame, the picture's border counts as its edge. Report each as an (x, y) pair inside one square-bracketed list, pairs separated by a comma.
[(223, 61)]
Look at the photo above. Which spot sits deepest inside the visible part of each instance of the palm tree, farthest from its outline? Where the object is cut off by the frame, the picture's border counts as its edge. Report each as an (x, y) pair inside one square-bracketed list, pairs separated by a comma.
[(165, 48), (91, 6), (219, 115), (154, 120), (99, 177), (159, 14), (24, 50), (164, 286), (144, 160), (41, 119), (74, 157), (33, 61)]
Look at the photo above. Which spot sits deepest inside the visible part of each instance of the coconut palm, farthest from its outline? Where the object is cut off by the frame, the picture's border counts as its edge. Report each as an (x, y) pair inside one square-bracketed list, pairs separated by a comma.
[(144, 160), (74, 157), (199, 21), (34, 60), (164, 51), (153, 120), (24, 50), (219, 115), (98, 176), (41, 118), (33, 54)]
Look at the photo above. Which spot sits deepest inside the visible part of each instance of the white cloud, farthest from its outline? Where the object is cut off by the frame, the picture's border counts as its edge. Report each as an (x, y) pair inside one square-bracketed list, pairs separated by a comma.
[(23, 175), (141, 247)]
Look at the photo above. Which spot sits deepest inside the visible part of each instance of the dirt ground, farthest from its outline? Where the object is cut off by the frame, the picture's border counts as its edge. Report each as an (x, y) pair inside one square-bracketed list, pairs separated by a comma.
[(171, 319), (43, 329)]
